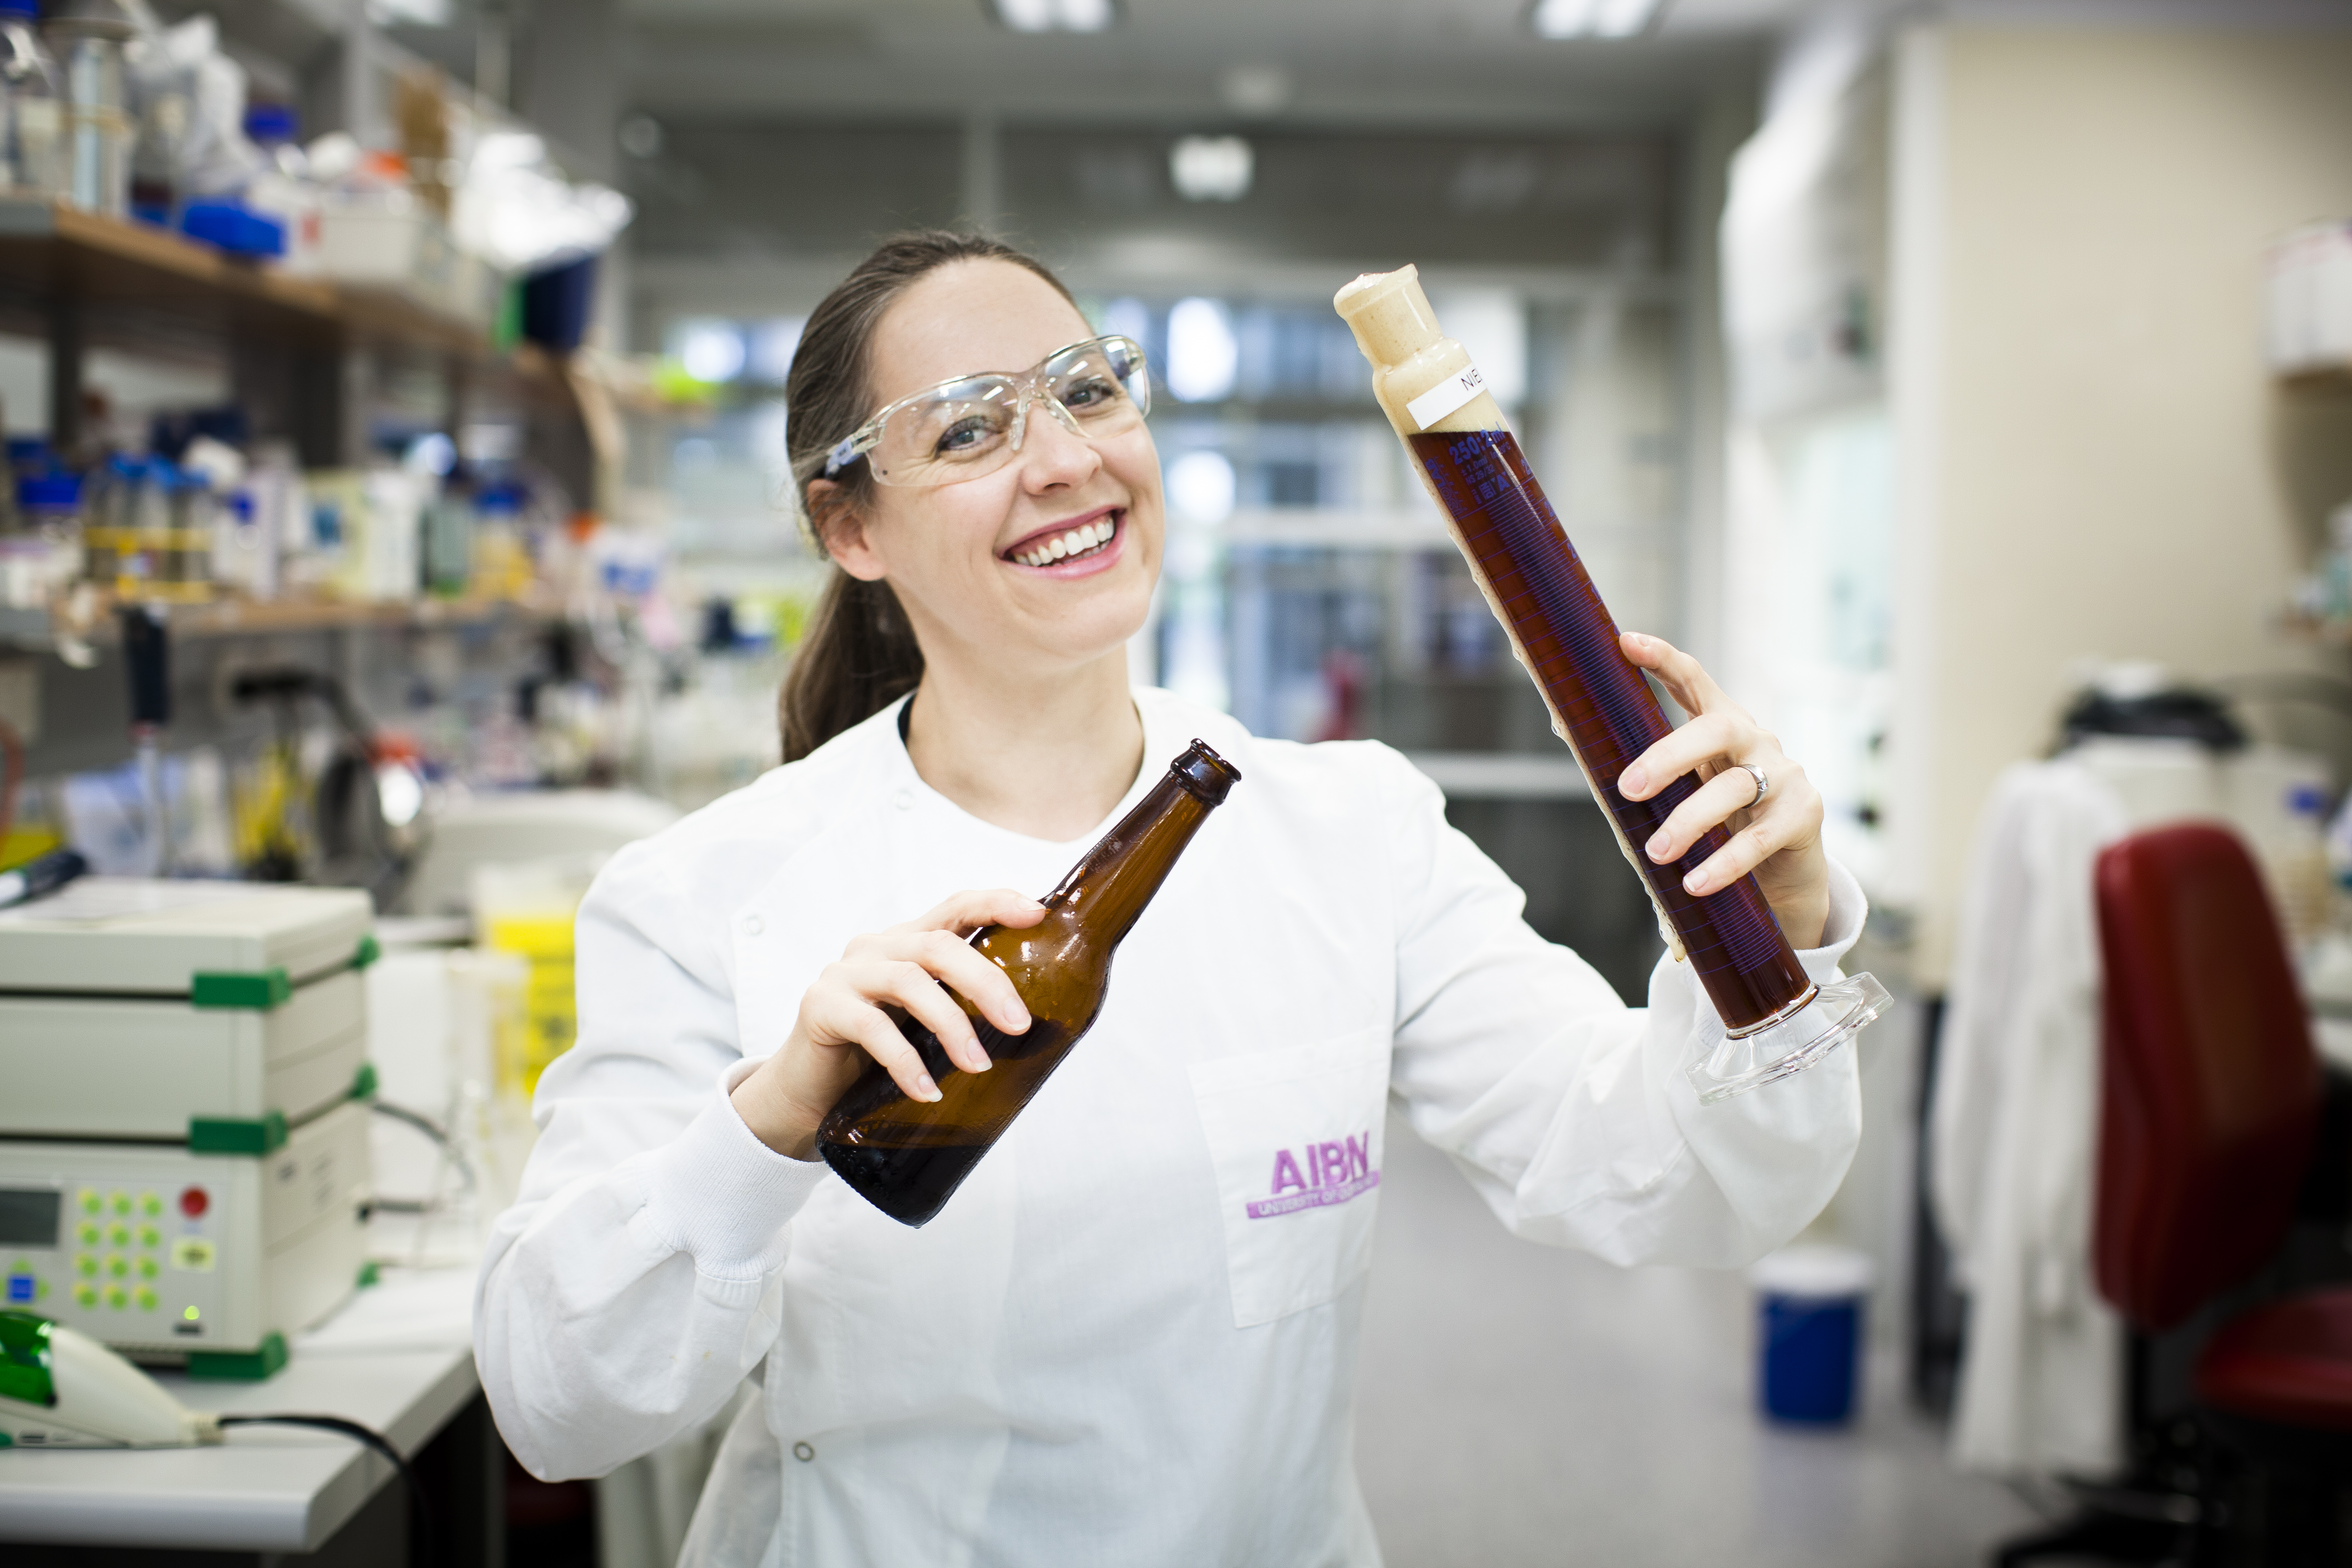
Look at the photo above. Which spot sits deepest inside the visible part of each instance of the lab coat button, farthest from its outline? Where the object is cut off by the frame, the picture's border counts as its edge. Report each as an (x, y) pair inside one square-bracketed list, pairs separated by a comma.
[(803, 1453), (753, 925), (904, 800)]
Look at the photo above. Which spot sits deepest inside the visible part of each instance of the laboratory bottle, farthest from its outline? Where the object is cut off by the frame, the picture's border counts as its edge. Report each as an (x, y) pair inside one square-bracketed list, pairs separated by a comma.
[(89, 37), (907, 1157), (33, 121), (1775, 1020)]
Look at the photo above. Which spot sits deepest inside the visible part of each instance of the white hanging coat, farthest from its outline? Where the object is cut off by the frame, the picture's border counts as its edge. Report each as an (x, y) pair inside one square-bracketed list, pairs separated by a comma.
[(2015, 1132), (1131, 1337)]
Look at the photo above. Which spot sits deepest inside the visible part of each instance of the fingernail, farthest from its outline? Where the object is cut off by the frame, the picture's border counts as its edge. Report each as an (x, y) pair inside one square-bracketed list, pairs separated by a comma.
[(1694, 883), (979, 1053), (1657, 847), (1632, 778), (925, 1090)]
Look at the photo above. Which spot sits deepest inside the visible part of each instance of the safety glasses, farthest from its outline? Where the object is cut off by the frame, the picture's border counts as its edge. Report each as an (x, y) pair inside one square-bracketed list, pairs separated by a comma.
[(964, 429)]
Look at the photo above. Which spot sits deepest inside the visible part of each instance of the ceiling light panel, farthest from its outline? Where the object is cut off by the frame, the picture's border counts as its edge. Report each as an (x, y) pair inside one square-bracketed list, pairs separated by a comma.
[(1590, 19), (1054, 15)]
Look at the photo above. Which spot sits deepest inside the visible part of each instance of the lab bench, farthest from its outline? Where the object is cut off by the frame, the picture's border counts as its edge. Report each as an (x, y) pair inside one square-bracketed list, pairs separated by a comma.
[(397, 1358)]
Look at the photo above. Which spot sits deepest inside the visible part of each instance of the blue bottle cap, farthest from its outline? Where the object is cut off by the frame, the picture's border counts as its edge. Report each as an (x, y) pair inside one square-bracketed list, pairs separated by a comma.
[(267, 123), (49, 493)]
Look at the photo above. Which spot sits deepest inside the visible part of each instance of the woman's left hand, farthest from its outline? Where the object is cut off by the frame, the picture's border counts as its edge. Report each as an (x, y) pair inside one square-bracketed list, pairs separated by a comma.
[(1779, 839)]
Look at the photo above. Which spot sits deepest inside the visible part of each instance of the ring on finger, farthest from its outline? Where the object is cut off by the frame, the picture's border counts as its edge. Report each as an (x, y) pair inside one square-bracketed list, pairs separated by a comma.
[(1763, 783)]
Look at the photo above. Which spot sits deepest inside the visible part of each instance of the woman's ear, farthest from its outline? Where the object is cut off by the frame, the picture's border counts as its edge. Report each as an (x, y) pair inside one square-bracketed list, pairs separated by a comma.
[(840, 525)]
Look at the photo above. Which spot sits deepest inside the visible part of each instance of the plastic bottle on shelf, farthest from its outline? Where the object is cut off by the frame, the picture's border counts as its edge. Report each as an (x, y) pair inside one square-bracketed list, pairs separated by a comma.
[(45, 553), (110, 508), (449, 544), (159, 132), (89, 36), (283, 190), (190, 510), (501, 564), (32, 136)]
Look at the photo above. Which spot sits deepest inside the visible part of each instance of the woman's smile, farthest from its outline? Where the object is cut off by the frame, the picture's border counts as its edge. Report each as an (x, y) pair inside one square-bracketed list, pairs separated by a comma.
[(1075, 547)]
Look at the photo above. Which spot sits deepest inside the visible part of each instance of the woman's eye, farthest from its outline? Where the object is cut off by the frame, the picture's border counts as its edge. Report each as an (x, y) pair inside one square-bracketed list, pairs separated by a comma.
[(1089, 394), (965, 435)]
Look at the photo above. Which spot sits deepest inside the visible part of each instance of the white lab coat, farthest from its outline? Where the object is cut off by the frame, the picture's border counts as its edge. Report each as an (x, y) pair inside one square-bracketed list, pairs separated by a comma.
[(1095, 1353), (2015, 1132)]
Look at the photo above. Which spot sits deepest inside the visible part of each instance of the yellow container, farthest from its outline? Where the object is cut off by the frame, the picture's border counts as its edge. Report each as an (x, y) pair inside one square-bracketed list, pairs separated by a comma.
[(550, 1013)]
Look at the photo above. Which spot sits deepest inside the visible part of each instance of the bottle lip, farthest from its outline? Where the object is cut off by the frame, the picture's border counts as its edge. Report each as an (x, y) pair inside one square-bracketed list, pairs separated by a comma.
[(1204, 773)]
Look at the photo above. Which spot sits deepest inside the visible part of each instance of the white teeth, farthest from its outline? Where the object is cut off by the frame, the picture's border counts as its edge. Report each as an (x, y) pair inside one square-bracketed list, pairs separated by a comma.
[(1078, 542)]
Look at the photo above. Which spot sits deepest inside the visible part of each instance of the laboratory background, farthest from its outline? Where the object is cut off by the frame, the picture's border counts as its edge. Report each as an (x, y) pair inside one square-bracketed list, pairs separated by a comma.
[(398, 524)]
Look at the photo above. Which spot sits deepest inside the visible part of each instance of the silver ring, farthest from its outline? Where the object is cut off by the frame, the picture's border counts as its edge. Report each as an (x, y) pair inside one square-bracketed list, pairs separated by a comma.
[(1763, 784)]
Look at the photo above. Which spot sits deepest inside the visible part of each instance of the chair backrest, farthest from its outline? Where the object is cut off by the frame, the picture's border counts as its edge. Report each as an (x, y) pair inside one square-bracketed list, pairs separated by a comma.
[(2210, 1088)]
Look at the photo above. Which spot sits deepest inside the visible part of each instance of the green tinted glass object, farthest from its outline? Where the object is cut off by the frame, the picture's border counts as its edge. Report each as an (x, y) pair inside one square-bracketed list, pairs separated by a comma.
[(25, 1360)]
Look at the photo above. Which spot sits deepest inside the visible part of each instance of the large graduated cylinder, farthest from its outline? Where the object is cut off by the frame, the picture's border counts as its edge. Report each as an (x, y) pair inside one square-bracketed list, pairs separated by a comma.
[(1776, 1021)]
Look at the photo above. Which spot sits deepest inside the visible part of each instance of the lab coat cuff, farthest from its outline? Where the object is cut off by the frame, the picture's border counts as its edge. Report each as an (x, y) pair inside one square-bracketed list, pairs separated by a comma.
[(1848, 909), (726, 1199)]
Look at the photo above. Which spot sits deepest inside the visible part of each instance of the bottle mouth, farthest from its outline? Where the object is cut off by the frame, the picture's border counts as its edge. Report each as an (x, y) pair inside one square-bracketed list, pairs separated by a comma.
[(1205, 773)]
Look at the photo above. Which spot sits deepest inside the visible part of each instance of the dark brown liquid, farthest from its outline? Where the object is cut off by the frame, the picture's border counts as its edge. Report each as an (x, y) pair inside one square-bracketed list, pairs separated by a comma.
[(907, 1156), (1521, 553)]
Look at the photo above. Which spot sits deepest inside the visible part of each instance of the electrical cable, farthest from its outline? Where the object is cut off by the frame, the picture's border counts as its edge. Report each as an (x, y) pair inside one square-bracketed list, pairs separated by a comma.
[(431, 1128), (421, 1549)]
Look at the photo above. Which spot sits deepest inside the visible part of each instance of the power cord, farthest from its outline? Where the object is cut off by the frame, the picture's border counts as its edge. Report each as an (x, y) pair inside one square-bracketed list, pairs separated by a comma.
[(422, 1547)]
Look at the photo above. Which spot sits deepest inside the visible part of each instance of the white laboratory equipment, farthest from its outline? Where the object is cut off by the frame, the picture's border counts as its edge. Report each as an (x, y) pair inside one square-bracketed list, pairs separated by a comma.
[(183, 1144)]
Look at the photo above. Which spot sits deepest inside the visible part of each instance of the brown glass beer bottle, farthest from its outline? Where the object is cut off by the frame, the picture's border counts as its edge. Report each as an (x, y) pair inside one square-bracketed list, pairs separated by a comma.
[(907, 1157)]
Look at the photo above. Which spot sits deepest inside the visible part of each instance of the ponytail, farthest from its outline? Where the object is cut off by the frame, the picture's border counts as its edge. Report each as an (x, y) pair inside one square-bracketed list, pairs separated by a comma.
[(859, 655)]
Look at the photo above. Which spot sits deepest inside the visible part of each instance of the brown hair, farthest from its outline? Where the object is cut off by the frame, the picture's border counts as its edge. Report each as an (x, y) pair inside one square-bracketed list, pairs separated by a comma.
[(860, 654)]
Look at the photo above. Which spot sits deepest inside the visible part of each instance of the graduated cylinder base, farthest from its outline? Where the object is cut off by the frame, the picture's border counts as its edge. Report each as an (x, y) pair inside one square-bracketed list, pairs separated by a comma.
[(1835, 1015)]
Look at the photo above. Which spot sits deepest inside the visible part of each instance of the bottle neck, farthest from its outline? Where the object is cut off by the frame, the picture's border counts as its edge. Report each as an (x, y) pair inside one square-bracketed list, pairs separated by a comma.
[(1107, 891)]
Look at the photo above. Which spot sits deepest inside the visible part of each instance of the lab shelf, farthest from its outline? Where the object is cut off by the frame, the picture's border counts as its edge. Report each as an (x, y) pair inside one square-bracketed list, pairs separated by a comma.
[(53, 254), (33, 629)]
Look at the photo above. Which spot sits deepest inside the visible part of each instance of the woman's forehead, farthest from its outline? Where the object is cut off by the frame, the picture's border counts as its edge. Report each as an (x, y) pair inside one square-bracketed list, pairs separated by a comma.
[(966, 318)]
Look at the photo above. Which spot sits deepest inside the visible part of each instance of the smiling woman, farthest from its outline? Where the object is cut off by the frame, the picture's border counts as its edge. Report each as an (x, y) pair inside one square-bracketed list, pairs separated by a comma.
[(1164, 1259)]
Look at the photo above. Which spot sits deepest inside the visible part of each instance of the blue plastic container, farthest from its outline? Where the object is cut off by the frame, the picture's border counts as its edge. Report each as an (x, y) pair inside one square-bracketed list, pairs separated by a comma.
[(236, 229), (1810, 1319), (558, 303)]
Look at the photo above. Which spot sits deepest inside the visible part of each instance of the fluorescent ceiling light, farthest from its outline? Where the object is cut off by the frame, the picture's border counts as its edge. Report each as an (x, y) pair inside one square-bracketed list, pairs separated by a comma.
[(1054, 15), (1203, 356), (1590, 19), (1212, 168), (710, 349)]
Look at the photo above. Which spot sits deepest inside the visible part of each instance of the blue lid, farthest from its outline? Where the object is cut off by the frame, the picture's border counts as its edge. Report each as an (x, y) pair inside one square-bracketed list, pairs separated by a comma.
[(123, 465), (57, 491), (23, 8), (267, 124)]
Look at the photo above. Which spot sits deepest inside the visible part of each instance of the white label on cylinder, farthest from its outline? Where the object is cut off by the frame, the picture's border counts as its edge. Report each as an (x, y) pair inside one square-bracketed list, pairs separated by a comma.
[(1446, 397)]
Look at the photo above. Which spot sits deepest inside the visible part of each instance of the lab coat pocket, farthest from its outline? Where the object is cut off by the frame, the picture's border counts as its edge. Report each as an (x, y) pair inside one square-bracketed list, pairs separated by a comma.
[(1295, 1136)]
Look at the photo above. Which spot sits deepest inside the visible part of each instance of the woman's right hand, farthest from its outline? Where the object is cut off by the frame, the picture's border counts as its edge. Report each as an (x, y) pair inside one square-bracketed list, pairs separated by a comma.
[(842, 1023)]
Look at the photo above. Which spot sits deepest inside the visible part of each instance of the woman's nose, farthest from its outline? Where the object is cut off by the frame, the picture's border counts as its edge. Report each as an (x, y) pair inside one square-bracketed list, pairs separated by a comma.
[(1052, 455)]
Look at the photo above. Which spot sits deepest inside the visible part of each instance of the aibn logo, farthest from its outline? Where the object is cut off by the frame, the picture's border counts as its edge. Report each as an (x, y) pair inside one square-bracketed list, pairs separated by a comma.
[(1331, 1173)]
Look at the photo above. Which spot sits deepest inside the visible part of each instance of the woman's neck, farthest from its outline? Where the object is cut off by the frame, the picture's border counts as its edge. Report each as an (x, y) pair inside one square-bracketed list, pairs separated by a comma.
[(1047, 759)]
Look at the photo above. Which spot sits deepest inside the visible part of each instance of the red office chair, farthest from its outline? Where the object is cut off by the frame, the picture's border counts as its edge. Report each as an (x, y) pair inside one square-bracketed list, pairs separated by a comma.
[(2211, 1099), (2210, 1103)]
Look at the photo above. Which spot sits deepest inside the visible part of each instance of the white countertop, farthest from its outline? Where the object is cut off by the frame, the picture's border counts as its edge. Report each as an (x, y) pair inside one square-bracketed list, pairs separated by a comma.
[(398, 1358)]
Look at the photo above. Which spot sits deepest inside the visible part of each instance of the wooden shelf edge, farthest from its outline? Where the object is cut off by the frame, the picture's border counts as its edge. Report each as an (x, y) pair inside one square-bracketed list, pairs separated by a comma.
[(362, 310), (23, 629)]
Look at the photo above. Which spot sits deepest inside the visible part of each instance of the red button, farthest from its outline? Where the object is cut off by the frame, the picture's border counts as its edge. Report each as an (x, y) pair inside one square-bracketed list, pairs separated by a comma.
[(193, 1201)]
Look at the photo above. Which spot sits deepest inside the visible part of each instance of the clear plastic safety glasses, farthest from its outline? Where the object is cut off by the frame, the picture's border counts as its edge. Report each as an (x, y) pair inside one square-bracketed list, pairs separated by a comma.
[(972, 425)]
